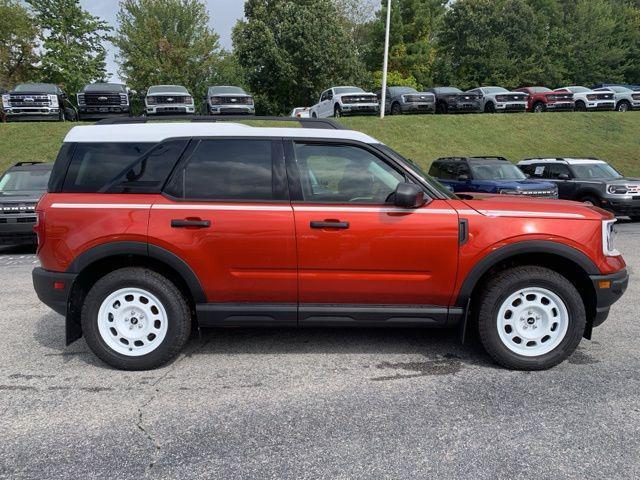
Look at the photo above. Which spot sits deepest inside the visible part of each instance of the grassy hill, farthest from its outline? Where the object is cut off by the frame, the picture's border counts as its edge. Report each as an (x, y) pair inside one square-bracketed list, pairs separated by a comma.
[(613, 136)]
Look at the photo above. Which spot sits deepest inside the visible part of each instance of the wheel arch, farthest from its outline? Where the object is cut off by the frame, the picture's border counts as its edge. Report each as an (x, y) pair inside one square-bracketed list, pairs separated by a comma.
[(587, 192), (568, 261), (96, 262)]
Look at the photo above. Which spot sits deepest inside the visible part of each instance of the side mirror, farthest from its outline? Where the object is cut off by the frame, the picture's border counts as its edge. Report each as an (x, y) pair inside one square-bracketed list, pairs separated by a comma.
[(563, 176), (408, 195), (63, 96), (463, 178)]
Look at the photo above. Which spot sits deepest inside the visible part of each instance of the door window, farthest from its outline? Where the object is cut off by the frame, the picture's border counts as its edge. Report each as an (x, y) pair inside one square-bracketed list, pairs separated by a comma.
[(227, 170), (555, 170), (344, 174)]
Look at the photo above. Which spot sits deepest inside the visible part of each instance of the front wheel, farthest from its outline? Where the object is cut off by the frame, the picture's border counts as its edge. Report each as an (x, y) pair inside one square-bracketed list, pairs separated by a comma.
[(135, 319), (581, 107), (337, 112), (539, 107), (395, 109), (530, 318), (490, 108), (623, 106)]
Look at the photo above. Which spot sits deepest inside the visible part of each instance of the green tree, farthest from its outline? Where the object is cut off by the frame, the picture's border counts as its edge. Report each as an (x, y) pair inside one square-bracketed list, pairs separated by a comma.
[(72, 43), (291, 51), (18, 39), (167, 42)]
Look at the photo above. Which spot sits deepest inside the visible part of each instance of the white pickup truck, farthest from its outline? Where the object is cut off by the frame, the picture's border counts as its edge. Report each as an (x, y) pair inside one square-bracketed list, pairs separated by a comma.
[(339, 101)]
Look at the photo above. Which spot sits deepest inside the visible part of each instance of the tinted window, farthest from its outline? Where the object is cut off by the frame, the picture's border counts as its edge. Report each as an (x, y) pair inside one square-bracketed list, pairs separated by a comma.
[(343, 90), (447, 169), (496, 171), (337, 173), (15, 182), (37, 88), (595, 170), (167, 89), (95, 165), (226, 90), (228, 170), (105, 87), (555, 170)]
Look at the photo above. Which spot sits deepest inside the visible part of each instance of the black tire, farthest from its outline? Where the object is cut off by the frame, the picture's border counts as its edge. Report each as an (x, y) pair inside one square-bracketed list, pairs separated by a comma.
[(635, 218), (507, 282), (590, 200), (623, 106), (395, 109), (178, 313), (489, 107), (580, 106), (313, 115), (539, 107), (337, 111), (442, 108)]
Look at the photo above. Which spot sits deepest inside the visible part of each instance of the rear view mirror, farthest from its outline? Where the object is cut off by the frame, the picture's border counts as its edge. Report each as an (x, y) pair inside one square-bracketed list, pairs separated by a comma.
[(409, 195)]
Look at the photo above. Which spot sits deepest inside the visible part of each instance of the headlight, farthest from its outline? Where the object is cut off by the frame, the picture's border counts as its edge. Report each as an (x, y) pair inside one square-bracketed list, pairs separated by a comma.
[(5, 100), (54, 100), (608, 238), (151, 100), (617, 189), (510, 192), (188, 100), (81, 99)]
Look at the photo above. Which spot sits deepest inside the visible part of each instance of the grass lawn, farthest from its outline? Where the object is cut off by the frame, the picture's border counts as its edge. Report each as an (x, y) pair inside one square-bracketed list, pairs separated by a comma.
[(614, 137)]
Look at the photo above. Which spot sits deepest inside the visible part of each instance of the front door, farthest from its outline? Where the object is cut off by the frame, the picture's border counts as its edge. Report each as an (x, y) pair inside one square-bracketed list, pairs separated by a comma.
[(361, 259), (226, 213)]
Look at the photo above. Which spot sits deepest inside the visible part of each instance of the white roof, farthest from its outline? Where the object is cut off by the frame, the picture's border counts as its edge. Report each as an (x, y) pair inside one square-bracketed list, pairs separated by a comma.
[(570, 161), (157, 132)]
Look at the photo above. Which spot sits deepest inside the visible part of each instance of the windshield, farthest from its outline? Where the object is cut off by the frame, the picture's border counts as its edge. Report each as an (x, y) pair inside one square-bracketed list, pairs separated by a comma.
[(616, 89), (595, 170), (402, 90), (447, 90), (37, 87), (495, 90), (578, 89), (105, 87), (226, 90), (341, 90), (18, 182), (539, 89), (418, 170), (167, 89), (495, 171)]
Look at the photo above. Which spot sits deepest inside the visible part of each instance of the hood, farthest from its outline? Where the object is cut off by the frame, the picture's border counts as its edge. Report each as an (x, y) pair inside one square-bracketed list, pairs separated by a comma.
[(239, 95), (509, 206), (365, 94), (169, 94), (31, 92), (20, 198), (524, 184), (622, 181)]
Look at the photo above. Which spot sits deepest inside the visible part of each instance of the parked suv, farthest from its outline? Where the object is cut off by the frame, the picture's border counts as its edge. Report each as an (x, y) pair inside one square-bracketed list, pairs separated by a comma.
[(146, 227), (488, 175), (589, 100), (102, 100), (543, 99), (169, 99), (229, 100), (339, 101), (21, 186), (37, 101), (625, 98), (498, 99), (454, 100), (588, 180), (400, 100)]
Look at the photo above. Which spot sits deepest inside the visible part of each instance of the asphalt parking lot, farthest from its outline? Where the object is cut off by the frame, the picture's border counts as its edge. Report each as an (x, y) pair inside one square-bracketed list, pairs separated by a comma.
[(334, 404)]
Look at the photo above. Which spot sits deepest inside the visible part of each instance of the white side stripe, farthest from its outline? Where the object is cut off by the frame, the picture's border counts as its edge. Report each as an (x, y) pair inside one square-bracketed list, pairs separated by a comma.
[(374, 210), (243, 208), (509, 213), (110, 206)]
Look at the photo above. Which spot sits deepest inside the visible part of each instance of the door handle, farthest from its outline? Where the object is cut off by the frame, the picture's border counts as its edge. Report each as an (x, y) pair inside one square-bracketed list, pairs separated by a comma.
[(330, 224), (195, 223)]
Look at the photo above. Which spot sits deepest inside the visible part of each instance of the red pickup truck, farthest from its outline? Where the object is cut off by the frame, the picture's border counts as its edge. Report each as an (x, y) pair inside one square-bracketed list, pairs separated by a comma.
[(543, 99), (147, 228)]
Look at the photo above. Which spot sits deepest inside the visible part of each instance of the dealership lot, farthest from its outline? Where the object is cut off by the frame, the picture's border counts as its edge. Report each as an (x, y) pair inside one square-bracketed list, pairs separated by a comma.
[(251, 403)]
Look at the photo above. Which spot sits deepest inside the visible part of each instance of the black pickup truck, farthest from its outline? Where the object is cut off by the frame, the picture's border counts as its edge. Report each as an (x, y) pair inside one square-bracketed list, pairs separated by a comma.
[(103, 100), (37, 101), (454, 100)]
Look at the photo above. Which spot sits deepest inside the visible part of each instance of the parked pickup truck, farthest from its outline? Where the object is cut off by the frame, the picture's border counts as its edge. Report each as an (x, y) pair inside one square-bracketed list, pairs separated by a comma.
[(589, 100), (102, 100), (339, 101), (543, 99), (625, 98), (37, 101), (216, 225), (454, 100), (498, 99), (229, 100), (401, 100), (169, 100)]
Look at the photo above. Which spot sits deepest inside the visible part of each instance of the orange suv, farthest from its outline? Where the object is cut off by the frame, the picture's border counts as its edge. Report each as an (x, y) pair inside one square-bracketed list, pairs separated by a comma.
[(148, 229)]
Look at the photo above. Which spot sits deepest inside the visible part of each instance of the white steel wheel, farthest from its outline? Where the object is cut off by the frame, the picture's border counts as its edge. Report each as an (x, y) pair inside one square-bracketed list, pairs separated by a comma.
[(132, 322), (532, 321)]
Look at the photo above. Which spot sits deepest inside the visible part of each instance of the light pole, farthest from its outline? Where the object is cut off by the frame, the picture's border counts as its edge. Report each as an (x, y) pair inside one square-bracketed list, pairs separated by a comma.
[(385, 65)]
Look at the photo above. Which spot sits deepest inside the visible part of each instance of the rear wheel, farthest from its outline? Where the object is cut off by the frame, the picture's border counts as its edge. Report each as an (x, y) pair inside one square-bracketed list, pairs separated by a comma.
[(530, 318), (442, 108), (135, 319), (539, 107), (489, 108)]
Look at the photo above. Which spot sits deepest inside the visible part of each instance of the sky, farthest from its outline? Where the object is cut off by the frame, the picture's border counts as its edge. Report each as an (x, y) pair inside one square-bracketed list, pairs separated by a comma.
[(223, 15)]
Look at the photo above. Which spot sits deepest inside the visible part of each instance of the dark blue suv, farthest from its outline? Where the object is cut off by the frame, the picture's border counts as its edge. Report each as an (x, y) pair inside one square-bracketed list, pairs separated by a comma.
[(488, 175)]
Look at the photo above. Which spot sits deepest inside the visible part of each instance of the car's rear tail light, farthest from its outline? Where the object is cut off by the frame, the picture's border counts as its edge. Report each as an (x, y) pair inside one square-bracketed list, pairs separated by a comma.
[(38, 228)]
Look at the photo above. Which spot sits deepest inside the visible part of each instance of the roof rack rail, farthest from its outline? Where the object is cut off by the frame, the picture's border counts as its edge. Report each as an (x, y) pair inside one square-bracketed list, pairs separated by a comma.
[(322, 123), (489, 157), (22, 164)]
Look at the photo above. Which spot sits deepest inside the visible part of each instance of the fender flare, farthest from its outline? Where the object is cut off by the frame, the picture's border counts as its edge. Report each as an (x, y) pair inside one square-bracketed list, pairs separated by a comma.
[(519, 248), (587, 192), (112, 249)]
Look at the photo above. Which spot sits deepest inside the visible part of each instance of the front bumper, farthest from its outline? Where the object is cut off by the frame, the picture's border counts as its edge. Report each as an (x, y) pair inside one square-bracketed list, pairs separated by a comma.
[(98, 113), (15, 114), (561, 106), (418, 107), (170, 109), (465, 107), (17, 230), (511, 107), (231, 110), (363, 109), (609, 289), (608, 105), (622, 204)]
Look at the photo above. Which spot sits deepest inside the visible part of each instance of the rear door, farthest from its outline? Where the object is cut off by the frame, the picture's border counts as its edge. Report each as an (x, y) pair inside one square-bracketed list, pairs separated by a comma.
[(566, 186), (359, 257), (226, 213)]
